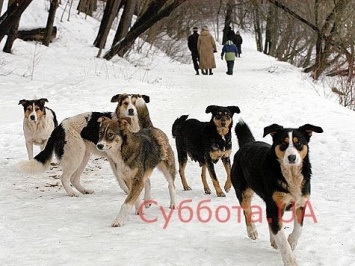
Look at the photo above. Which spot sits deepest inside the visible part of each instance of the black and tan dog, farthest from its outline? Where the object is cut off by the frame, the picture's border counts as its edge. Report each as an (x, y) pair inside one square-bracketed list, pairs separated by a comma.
[(206, 143), (74, 140), (38, 123), (280, 174), (136, 155)]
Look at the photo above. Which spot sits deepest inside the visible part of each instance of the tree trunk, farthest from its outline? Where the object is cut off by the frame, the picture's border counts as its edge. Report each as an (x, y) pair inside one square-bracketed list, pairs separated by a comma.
[(108, 17), (12, 16), (257, 27), (50, 21), (12, 34), (125, 21), (228, 19), (153, 14)]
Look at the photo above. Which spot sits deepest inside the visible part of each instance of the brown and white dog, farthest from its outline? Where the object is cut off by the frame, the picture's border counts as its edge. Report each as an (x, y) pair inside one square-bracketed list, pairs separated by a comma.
[(38, 123), (74, 140), (136, 155)]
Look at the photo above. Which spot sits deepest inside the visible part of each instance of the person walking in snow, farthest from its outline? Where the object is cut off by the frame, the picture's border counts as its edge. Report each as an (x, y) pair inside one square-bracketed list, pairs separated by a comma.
[(192, 44), (206, 46), (238, 40), (230, 51)]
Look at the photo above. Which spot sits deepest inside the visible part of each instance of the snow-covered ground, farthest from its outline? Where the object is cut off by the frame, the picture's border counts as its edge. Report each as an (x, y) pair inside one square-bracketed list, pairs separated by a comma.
[(41, 225)]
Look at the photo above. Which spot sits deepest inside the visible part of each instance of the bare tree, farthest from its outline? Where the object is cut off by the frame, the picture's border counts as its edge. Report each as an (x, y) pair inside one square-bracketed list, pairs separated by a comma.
[(125, 21), (12, 16), (110, 12), (50, 21), (157, 10)]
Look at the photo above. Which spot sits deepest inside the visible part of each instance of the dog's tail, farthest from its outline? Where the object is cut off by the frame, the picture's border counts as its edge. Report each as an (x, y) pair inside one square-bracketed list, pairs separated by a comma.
[(177, 124), (42, 161), (243, 133)]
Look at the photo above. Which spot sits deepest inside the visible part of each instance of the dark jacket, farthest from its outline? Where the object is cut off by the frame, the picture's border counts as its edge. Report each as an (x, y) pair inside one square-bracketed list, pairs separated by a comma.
[(192, 43)]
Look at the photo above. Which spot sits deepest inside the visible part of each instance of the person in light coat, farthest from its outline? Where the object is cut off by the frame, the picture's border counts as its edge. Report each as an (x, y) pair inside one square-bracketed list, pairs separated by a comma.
[(206, 46)]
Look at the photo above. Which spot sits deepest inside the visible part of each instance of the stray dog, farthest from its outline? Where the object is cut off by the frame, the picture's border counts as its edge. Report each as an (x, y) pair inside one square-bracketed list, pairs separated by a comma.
[(206, 142), (136, 155), (74, 140), (38, 123), (280, 174)]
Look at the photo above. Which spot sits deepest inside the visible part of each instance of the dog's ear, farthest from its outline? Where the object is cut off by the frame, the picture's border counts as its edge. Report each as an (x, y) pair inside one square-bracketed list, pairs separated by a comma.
[(234, 109), (22, 102), (124, 123), (146, 98), (42, 101), (272, 129), (102, 119), (308, 129), (116, 98), (211, 108)]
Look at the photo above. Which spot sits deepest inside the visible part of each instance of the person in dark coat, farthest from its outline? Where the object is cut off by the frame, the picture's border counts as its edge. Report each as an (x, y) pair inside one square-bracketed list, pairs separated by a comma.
[(192, 44), (238, 40), (229, 51)]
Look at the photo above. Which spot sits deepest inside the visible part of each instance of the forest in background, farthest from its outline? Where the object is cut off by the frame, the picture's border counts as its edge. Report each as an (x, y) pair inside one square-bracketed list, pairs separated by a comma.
[(316, 35)]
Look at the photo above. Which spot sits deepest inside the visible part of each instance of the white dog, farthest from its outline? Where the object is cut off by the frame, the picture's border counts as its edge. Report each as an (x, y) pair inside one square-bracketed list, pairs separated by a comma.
[(38, 123)]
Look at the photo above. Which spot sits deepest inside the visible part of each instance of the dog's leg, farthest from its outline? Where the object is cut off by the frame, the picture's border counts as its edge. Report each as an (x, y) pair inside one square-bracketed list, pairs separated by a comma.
[(135, 191), (147, 193), (29, 147), (227, 166), (75, 179), (206, 188), (65, 178), (245, 202), (274, 215), (119, 179), (288, 258), (182, 166), (169, 173), (297, 228), (215, 182)]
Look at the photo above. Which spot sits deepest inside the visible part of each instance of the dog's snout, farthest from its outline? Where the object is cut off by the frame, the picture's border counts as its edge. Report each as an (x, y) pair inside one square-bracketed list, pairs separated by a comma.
[(291, 158), (33, 117), (130, 111), (100, 146)]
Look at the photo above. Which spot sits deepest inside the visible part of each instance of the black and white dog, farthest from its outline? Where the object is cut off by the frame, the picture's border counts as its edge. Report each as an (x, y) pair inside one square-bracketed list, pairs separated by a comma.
[(38, 123), (280, 174), (75, 139)]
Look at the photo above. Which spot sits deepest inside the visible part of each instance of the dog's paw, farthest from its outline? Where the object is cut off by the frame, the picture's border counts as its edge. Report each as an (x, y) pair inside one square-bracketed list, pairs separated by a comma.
[(147, 205), (227, 187), (117, 223), (73, 194), (252, 232), (207, 191), (88, 191), (221, 194), (187, 188), (293, 242), (273, 243), (173, 206)]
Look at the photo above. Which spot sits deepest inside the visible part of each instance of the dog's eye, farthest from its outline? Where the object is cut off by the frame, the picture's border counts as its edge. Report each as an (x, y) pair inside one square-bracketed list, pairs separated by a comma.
[(110, 135), (36, 109), (298, 145), (283, 146)]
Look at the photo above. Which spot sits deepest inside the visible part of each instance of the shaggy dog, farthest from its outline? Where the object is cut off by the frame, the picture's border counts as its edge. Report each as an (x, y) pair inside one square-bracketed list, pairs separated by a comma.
[(74, 140), (38, 123), (136, 154), (206, 143), (280, 174)]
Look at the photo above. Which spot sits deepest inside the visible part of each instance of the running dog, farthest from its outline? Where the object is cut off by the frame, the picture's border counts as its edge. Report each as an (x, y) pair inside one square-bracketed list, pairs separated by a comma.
[(280, 174), (136, 155), (74, 140), (206, 143), (38, 123)]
